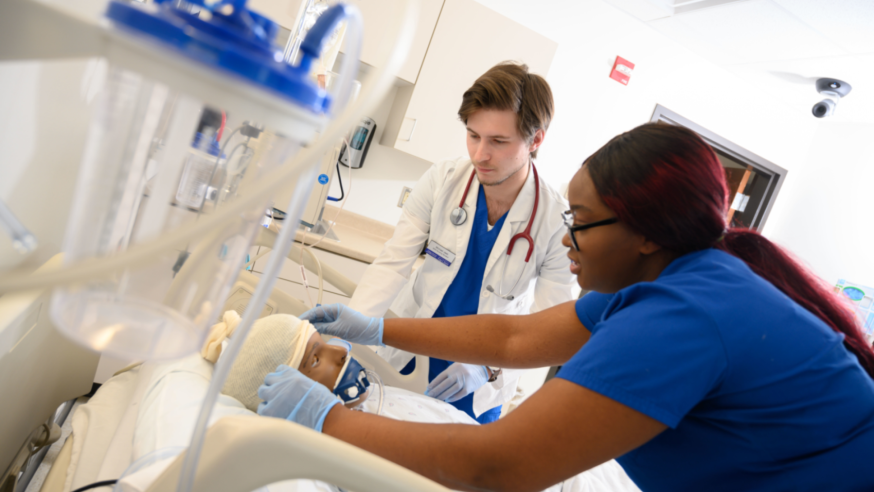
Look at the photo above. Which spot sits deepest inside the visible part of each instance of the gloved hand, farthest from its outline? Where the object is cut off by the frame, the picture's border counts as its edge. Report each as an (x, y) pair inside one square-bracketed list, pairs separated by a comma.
[(290, 395), (346, 323), (457, 381)]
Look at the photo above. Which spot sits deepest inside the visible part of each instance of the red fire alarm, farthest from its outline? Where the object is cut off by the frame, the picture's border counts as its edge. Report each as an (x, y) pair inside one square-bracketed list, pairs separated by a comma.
[(622, 69)]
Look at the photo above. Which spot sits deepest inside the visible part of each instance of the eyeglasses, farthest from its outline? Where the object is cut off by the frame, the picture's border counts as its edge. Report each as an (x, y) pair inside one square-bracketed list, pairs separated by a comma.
[(572, 229)]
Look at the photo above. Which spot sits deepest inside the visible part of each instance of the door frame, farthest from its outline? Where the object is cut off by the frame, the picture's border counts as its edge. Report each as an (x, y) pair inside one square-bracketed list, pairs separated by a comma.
[(765, 167)]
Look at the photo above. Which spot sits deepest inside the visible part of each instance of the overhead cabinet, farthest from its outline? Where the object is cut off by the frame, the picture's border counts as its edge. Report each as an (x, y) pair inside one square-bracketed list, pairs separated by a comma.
[(468, 40), (376, 25), (455, 42)]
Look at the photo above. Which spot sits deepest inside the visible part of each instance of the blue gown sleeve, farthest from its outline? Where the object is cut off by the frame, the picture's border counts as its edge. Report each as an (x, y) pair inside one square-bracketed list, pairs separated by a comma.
[(654, 350), (590, 308)]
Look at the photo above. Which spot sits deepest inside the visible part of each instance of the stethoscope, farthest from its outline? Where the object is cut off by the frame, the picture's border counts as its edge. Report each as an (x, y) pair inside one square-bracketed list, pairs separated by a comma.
[(458, 216)]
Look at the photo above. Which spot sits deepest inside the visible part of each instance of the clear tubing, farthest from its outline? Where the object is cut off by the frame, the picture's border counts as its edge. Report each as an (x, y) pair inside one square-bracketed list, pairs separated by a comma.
[(319, 271), (145, 461), (294, 40), (253, 310), (22, 240), (378, 381), (349, 69), (218, 160), (377, 85)]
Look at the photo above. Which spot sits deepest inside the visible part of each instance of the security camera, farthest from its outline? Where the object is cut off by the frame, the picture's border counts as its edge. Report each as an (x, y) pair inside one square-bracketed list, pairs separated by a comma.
[(833, 90)]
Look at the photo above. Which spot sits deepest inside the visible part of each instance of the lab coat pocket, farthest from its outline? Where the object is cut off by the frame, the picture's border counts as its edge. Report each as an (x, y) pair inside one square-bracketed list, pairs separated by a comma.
[(430, 278)]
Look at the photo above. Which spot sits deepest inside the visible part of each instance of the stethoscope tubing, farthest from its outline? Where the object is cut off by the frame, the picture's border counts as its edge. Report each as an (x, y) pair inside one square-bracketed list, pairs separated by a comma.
[(526, 234)]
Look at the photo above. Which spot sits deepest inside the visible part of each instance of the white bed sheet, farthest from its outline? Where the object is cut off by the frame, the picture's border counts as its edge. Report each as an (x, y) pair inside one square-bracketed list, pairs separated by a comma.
[(95, 426)]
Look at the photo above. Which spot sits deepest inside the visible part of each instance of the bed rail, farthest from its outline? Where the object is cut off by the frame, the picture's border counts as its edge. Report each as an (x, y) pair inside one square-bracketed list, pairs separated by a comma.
[(243, 453)]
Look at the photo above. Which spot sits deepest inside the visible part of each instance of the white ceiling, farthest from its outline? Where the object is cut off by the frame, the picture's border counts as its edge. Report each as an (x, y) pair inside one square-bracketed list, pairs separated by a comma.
[(781, 46)]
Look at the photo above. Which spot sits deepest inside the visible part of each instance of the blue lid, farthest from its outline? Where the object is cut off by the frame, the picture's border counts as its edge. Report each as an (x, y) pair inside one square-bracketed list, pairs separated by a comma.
[(241, 42), (212, 147)]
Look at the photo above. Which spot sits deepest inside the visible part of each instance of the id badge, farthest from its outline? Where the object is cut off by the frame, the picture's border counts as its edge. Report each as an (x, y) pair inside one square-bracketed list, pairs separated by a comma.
[(440, 253)]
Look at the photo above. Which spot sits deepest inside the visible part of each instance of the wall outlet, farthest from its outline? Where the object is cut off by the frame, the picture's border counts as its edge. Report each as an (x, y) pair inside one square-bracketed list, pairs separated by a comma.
[(405, 193)]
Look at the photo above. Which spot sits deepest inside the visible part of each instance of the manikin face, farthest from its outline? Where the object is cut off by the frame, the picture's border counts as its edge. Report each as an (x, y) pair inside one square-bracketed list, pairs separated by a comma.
[(322, 363), (495, 146)]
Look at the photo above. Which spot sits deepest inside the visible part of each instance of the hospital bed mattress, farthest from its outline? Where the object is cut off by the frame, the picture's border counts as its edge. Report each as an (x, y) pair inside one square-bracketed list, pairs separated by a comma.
[(139, 420)]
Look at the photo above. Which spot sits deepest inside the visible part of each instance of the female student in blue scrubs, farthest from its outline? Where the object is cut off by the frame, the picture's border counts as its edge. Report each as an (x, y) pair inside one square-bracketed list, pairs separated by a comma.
[(706, 358)]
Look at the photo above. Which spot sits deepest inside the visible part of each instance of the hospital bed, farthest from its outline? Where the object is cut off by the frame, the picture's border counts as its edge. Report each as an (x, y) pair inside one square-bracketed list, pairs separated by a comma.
[(241, 452)]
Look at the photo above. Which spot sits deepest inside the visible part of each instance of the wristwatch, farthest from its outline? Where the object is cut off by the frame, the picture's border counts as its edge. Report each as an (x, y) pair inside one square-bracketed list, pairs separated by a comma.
[(494, 372)]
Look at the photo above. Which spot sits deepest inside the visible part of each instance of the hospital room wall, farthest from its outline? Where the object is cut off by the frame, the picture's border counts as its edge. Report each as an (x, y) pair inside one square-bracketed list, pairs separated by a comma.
[(830, 224)]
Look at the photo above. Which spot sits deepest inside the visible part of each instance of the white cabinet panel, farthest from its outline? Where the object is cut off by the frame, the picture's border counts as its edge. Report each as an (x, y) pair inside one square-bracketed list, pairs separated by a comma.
[(376, 25), (283, 12), (469, 39)]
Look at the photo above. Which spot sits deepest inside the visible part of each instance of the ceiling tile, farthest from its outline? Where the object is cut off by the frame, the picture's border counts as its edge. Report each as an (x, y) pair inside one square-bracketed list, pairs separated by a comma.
[(645, 10), (848, 23), (746, 32)]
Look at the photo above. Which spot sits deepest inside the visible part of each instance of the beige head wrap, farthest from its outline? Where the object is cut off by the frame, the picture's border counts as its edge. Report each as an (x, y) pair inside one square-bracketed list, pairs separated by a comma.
[(274, 340)]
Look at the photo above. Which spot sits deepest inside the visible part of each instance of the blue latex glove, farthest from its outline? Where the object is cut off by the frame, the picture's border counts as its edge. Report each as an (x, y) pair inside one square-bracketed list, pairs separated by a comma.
[(457, 381), (346, 323), (290, 395)]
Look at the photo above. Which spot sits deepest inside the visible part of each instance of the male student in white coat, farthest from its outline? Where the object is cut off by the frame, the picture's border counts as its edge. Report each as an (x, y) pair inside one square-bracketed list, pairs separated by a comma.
[(467, 269)]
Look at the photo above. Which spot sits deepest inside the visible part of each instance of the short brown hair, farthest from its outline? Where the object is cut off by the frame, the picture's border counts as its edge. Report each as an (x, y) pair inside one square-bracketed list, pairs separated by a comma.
[(509, 85)]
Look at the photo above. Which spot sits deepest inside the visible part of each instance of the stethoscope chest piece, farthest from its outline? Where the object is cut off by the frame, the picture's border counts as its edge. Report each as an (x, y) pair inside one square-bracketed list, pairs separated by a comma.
[(457, 216)]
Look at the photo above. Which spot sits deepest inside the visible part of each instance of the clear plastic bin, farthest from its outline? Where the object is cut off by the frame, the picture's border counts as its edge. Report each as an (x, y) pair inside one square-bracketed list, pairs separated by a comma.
[(145, 170)]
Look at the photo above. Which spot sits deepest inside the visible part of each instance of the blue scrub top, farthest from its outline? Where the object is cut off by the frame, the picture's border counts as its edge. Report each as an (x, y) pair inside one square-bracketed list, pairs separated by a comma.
[(757, 392), (462, 296)]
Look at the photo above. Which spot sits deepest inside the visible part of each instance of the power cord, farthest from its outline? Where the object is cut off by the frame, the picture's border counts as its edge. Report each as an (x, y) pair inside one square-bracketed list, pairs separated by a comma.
[(94, 485), (340, 181)]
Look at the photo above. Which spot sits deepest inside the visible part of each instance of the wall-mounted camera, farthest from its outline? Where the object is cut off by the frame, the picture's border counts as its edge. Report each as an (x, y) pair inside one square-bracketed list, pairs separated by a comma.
[(833, 90)]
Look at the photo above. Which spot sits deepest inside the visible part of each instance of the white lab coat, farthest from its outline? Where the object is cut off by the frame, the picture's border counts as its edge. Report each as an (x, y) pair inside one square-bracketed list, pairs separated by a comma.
[(545, 280)]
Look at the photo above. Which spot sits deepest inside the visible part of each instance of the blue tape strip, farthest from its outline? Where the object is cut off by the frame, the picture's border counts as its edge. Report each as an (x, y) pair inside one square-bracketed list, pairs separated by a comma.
[(437, 257)]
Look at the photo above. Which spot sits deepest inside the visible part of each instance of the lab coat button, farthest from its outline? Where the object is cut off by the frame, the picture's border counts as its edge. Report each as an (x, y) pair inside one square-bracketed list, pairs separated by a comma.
[(485, 293)]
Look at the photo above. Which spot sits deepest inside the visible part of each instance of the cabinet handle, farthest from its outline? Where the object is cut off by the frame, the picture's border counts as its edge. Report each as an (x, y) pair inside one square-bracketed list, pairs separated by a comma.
[(410, 135)]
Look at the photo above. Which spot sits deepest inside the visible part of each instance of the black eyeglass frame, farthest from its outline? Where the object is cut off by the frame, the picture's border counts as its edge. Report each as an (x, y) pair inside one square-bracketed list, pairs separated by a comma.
[(568, 218)]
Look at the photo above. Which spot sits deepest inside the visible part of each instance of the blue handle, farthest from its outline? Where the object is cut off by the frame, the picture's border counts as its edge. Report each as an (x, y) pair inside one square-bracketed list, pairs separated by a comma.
[(318, 35), (250, 23), (239, 5)]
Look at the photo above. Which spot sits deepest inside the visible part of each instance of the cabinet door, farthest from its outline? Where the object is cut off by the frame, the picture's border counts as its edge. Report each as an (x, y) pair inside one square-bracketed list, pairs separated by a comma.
[(376, 21), (469, 39), (282, 12), (374, 13)]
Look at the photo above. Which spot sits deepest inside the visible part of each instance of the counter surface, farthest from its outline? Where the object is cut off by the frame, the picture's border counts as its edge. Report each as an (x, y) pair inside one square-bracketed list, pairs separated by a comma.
[(359, 238)]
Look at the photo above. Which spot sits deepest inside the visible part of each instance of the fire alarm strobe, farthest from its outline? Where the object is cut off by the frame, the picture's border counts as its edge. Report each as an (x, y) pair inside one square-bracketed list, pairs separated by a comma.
[(622, 69)]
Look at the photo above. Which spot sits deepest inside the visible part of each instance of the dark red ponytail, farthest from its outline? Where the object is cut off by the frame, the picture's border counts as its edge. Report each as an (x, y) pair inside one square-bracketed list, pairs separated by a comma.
[(667, 184)]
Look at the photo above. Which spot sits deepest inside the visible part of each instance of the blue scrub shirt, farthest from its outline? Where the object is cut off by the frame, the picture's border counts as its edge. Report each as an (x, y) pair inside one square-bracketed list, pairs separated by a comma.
[(758, 393), (462, 296)]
